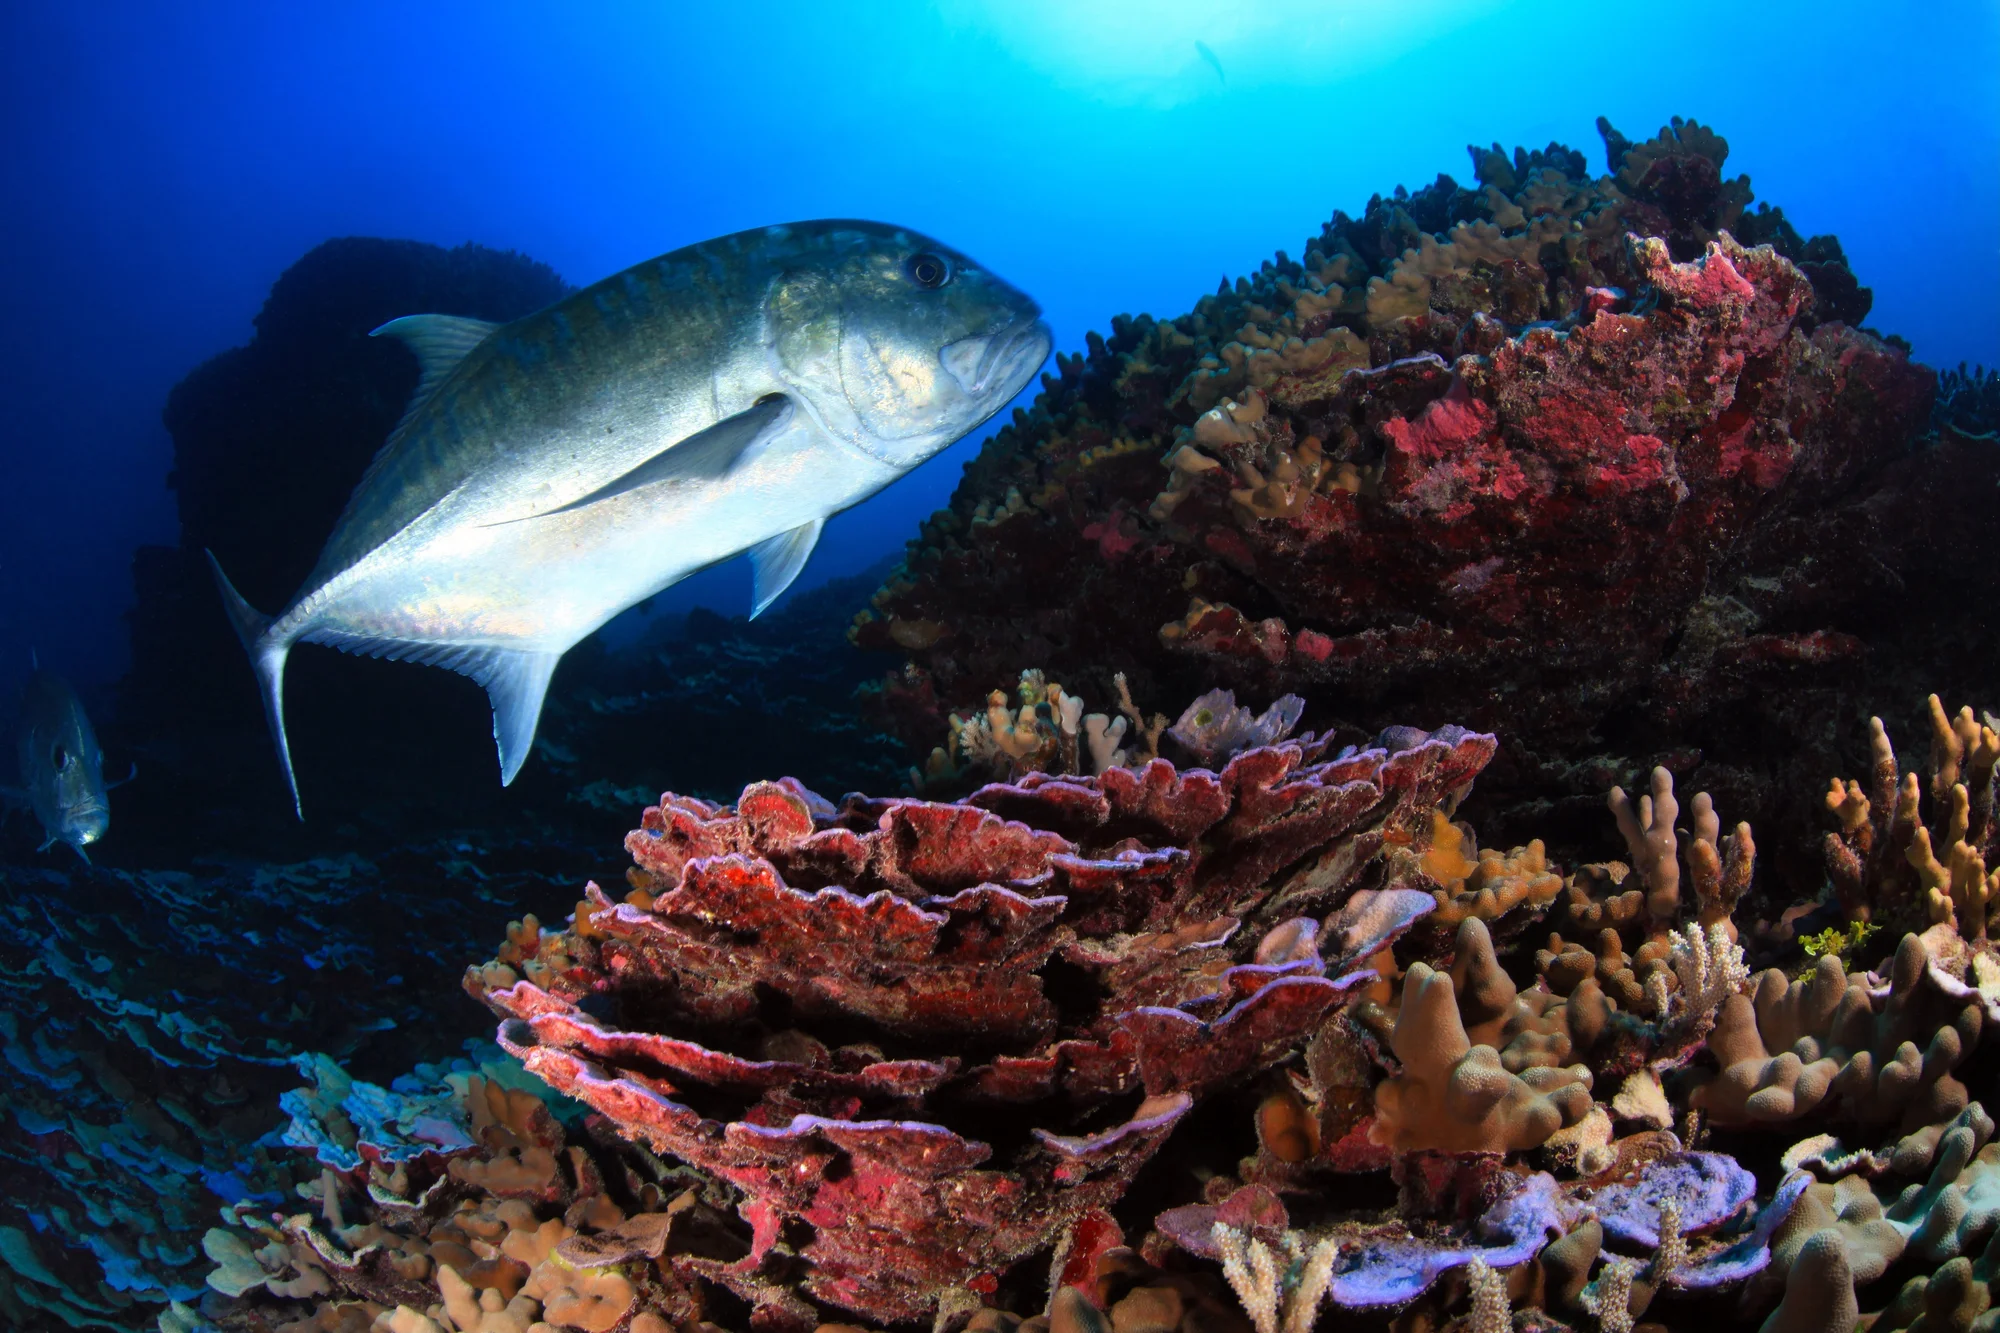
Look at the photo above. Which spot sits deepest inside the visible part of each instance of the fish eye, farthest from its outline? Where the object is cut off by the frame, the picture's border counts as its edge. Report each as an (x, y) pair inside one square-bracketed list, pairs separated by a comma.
[(59, 758), (928, 271)]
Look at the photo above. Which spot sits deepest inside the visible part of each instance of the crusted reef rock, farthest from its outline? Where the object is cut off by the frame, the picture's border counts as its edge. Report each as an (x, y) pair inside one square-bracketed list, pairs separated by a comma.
[(1603, 464)]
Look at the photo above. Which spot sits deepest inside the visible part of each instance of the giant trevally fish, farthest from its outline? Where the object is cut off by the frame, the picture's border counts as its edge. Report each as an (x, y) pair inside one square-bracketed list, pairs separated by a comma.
[(62, 768), (552, 472)]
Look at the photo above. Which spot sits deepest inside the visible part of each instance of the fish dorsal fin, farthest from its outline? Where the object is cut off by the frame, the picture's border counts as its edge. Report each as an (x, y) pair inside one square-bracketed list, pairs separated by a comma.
[(776, 561), (703, 456), (440, 342)]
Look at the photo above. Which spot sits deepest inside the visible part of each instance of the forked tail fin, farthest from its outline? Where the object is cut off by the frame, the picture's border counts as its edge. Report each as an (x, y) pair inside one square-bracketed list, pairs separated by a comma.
[(267, 659)]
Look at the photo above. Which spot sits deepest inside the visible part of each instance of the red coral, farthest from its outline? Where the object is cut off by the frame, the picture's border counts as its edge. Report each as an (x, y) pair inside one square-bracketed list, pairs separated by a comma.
[(926, 1040)]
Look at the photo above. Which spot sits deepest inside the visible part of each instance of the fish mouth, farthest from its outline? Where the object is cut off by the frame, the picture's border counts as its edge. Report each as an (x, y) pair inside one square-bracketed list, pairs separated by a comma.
[(1007, 357)]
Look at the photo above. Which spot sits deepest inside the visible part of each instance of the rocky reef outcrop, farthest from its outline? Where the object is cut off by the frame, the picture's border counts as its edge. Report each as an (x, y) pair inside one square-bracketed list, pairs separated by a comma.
[(1604, 464)]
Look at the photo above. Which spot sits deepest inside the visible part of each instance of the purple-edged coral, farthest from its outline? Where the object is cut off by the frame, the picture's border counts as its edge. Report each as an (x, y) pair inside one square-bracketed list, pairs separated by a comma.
[(1514, 1230), (936, 1035), (1704, 1188)]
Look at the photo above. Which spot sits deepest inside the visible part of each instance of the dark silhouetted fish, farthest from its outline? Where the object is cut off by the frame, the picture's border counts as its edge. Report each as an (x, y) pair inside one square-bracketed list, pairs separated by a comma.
[(62, 768)]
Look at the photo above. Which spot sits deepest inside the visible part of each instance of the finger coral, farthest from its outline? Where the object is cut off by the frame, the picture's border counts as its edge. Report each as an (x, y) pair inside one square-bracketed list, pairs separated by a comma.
[(1889, 858), (1796, 1044)]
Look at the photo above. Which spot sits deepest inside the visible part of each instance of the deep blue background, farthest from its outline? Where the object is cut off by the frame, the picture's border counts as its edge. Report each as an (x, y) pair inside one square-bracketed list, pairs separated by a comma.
[(166, 162)]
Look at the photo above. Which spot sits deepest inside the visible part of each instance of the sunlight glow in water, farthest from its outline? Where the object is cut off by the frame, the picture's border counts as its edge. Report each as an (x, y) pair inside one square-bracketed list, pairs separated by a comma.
[(1151, 52)]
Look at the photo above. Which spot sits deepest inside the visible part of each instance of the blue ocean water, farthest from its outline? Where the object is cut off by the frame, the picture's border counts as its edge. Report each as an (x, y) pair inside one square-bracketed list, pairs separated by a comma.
[(166, 163)]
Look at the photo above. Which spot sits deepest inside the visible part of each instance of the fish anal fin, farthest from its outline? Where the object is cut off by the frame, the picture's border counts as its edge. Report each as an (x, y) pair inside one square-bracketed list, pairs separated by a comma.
[(515, 680), (776, 561), (703, 456), (517, 683), (440, 342)]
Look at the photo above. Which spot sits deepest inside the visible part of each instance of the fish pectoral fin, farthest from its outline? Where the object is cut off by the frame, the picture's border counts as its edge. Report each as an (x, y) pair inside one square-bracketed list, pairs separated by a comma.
[(440, 342), (114, 786), (776, 561), (705, 455)]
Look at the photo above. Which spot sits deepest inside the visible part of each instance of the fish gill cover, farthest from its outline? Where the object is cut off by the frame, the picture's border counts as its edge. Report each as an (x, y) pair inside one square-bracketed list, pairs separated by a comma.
[(1141, 1024)]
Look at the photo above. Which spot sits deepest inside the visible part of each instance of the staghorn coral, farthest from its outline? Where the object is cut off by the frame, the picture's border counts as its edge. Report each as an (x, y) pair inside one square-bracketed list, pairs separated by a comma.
[(920, 939), (1279, 1299)]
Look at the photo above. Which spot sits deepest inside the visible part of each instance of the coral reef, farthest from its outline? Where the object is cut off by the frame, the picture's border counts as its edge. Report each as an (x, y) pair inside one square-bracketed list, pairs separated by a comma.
[(152, 1019), (1128, 1021), (913, 1060), (827, 1007), (1559, 457)]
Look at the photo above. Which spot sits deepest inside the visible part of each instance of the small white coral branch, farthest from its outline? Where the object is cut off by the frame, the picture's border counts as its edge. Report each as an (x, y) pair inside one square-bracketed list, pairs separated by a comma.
[(1278, 1299), (1673, 1246), (1610, 1297), (1491, 1311), (1710, 967)]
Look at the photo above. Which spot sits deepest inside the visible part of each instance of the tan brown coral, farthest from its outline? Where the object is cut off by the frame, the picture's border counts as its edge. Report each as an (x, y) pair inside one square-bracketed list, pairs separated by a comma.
[(1795, 1045), (1453, 1096)]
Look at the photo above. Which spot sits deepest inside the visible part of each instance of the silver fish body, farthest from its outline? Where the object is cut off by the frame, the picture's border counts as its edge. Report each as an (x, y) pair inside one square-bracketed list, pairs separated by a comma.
[(62, 767), (723, 398)]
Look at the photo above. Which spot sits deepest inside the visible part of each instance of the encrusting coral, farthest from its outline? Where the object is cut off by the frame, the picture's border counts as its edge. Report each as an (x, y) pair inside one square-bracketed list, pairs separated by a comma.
[(1543, 454)]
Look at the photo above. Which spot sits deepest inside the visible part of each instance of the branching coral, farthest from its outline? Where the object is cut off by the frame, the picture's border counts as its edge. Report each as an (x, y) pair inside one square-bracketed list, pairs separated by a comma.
[(1280, 1297), (1888, 857), (1050, 733)]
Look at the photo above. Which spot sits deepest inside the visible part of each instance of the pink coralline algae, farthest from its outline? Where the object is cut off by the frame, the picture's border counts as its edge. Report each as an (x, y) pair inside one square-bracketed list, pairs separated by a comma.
[(1579, 461), (926, 1040)]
